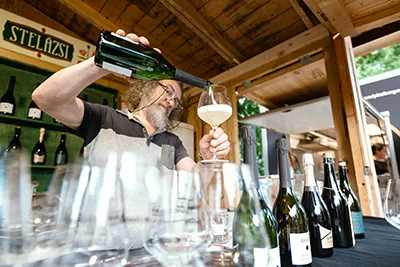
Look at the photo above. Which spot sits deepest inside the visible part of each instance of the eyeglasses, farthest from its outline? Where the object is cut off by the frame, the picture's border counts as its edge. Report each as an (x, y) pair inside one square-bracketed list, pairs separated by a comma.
[(170, 94)]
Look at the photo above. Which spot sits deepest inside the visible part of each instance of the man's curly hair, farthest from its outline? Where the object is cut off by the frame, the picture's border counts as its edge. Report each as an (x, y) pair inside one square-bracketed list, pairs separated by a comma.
[(139, 89)]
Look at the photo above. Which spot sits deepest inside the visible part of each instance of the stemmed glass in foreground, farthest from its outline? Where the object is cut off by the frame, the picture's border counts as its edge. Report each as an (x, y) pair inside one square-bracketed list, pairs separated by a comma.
[(214, 108), (179, 224), (391, 206)]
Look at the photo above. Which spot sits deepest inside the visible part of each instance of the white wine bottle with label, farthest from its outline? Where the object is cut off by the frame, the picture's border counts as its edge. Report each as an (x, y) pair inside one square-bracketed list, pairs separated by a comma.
[(39, 151), (294, 237), (319, 221), (7, 101), (123, 56)]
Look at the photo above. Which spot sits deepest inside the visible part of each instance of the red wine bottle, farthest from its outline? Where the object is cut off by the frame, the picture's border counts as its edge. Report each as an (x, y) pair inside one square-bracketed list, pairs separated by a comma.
[(15, 143), (7, 101)]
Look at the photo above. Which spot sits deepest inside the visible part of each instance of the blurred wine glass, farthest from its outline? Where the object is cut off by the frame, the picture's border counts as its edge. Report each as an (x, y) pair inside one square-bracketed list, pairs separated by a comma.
[(214, 108), (391, 206), (179, 224)]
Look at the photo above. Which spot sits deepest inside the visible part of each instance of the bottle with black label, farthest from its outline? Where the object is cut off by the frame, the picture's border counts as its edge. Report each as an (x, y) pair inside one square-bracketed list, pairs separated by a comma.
[(61, 156), (319, 221), (39, 151), (7, 101), (34, 113), (352, 200)]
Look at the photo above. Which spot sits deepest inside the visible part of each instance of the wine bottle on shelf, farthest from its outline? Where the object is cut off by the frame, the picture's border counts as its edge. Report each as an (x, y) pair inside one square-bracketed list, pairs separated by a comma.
[(105, 102), (7, 101), (85, 98), (250, 240), (34, 112), (352, 200), (126, 57), (342, 229), (319, 221), (271, 226), (15, 143), (294, 237), (61, 156), (39, 151)]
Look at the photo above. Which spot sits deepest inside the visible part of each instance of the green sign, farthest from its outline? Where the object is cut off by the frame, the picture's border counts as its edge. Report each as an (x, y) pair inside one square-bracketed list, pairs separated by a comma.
[(32, 39)]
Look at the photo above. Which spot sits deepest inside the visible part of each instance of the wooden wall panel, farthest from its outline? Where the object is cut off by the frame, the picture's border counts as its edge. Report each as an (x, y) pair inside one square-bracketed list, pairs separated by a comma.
[(64, 15), (129, 17), (363, 8), (164, 31), (199, 3), (113, 9), (177, 40), (95, 4), (151, 20)]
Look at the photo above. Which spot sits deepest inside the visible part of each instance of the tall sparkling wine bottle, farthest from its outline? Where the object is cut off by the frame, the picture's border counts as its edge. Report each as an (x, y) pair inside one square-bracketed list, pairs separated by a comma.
[(319, 221), (39, 151), (34, 113), (61, 156), (342, 228), (250, 239), (294, 237), (15, 143), (355, 207), (271, 226), (126, 57), (7, 101)]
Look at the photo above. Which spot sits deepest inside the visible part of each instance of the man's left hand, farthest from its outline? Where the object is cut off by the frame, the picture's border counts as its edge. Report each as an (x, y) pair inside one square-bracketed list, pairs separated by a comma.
[(215, 141)]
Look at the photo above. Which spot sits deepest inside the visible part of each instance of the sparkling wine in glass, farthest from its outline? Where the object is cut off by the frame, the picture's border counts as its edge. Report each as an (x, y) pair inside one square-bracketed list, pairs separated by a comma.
[(214, 108), (391, 206)]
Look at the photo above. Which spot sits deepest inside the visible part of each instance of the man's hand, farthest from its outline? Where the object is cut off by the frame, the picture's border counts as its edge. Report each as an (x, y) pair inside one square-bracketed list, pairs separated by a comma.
[(215, 141), (143, 40)]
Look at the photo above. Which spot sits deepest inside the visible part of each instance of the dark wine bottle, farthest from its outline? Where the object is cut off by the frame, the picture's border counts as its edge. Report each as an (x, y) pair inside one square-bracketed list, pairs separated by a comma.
[(294, 237), (250, 240), (34, 112), (342, 229), (85, 98), (319, 221), (39, 151), (61, 156), (15, 143), (352, 201), (271, 226), (7, 101), (105, 102), (126, 57)]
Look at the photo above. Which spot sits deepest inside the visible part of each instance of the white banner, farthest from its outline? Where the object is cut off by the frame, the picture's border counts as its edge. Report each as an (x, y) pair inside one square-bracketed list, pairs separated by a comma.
[(29, 38)]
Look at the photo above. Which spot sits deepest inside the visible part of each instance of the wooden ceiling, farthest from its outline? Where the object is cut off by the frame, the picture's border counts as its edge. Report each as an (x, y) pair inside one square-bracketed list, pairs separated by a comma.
[(220, 39)]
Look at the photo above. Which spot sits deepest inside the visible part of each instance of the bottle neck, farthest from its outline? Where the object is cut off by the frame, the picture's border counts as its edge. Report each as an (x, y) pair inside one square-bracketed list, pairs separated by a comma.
[(11, 85), (329, 175), (41, 137), (284, 170), (309, 179), (344, 182), (249, 151)]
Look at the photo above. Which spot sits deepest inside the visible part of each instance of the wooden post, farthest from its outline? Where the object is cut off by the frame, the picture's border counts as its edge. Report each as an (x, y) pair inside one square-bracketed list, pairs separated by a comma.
[(348, 113)]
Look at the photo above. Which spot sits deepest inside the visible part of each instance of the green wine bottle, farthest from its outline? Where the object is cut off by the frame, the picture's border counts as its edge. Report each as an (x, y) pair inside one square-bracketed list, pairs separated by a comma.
[(126, 57), (294, 237), (248, 134), (249, 237)]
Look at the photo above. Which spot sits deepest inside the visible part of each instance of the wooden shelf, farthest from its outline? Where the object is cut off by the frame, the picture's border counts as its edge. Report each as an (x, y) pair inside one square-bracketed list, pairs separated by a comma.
[(44, 167), (32, 123)]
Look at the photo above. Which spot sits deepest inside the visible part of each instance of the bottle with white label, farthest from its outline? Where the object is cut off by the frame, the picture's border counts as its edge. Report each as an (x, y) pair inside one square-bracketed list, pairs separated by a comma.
[(248, 135), (7, 101), (294, 237), (126, 57), (352, 200), (250, 239), (39, 151), (34, 113), (319, 221)]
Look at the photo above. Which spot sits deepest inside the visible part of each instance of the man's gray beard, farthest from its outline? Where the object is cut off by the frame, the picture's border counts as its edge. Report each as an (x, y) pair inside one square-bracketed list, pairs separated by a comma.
[(156, 117)]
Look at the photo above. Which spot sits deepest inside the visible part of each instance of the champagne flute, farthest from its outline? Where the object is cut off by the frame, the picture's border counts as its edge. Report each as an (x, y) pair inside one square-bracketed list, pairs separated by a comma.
[(391, 206), (214, 108)]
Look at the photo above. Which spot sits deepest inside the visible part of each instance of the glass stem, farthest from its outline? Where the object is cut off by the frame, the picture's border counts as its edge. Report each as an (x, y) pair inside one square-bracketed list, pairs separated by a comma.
[(214, 128)]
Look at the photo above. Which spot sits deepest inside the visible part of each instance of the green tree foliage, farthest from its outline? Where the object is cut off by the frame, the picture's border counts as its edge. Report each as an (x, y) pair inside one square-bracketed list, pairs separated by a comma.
[(379, 61), (247, 108)]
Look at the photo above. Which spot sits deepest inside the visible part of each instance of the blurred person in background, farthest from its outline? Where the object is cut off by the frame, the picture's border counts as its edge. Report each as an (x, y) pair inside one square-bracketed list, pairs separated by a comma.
[(380, 158)]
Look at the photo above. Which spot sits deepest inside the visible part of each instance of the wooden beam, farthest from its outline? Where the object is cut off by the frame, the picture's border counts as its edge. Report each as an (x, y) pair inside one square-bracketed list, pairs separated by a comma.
[(302, 14), (197, 23), (281, 74), (379, 19), (87, 12), (111, 82), (348, 111), (256, 98), (320, 15), (338, 15), (374, 45)]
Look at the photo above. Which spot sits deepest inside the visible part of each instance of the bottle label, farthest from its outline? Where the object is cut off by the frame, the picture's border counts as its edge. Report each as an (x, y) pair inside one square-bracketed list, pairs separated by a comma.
[(300, 248), (274, 257), (218, 229), (117, 69), (34, 113), (357, 220), (6, 107), (260, 257), (326, 237), (38, 159)]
